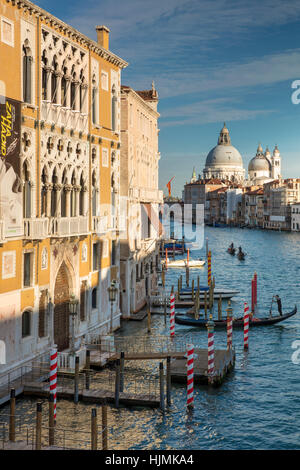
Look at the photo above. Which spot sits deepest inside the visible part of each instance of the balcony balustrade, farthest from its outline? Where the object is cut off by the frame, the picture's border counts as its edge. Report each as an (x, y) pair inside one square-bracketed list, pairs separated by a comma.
[(68, 226), (36, 229)]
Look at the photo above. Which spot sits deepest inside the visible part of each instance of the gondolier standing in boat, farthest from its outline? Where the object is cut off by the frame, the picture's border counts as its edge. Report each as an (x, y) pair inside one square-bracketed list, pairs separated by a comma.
[(278, 300)]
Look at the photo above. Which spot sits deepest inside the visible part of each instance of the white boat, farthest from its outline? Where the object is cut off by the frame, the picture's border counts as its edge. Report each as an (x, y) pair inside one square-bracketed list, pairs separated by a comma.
[(182, 263)]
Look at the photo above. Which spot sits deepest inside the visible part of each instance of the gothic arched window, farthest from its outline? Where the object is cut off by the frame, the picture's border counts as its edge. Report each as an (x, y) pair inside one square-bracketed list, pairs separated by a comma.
[(27, 74)]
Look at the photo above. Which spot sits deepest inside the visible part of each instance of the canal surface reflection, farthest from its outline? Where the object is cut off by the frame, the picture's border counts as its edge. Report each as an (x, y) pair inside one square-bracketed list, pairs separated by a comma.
[(258, 405)]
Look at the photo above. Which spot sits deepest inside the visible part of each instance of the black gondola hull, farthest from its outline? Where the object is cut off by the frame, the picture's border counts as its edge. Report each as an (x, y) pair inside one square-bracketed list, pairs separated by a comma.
[(239, 323)]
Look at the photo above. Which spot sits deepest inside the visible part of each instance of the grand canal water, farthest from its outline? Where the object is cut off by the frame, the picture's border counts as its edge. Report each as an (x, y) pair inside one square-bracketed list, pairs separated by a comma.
[(258, 406)]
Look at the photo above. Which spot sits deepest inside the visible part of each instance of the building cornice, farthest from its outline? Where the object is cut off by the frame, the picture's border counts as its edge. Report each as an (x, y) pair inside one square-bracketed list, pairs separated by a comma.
[(129, 90), (73, 33)]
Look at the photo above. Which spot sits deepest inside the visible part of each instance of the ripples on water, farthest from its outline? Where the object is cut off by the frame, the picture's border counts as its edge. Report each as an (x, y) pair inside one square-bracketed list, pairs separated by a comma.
[(258, 405)]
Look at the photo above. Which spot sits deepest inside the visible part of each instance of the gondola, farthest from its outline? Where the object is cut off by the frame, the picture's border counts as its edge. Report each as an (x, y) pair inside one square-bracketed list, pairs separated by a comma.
[(183, 319)]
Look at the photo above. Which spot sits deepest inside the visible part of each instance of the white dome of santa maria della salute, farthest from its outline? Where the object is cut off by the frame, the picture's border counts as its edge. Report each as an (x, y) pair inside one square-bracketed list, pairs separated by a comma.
[(224, 161)]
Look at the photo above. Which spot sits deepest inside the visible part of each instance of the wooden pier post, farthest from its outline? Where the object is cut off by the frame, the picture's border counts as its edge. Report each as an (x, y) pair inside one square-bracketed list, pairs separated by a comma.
[(104, 427), (206, 247), (183, 244), (38, 427), (173, 250), (220, 308), (205, 304), (51, 420), (161, 386), (180, 281), (198, 283), (12, 422), (122, 360), (169, 381), (178, 287), (187, 276), (117, 384), (76, 380), (163, 276), (148, 317), (87, 369), (94, 430), (165, 310), (193, 286), (197, 305)]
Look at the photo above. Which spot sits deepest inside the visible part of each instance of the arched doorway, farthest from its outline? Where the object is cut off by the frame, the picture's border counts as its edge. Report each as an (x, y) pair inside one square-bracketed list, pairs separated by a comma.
[(61, 308)]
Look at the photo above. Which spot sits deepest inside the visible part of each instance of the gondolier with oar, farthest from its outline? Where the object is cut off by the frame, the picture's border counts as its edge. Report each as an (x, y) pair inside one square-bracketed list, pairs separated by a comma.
[(279, 305)]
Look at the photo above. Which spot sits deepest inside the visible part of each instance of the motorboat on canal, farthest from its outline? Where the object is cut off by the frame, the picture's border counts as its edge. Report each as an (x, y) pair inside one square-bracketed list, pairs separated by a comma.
[(184, 319), (182, 263)]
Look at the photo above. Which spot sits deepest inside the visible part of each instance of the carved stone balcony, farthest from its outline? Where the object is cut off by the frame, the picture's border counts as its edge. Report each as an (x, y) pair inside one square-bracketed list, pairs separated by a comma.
[(68, 226), (36, 229), (2, 235), (99, 224)]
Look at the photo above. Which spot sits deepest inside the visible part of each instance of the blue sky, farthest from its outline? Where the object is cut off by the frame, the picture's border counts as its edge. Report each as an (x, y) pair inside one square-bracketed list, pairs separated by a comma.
[(211, 61)]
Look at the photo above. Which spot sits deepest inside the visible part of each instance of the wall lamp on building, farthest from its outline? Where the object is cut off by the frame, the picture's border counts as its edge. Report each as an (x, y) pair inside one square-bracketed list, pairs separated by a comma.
[(73, 304), (112, 292)]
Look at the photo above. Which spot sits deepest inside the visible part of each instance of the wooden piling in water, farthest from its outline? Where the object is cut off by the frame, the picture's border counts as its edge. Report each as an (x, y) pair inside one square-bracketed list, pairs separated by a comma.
[(178, 287), (117, 384), (94, 430), (220, 308), (187, 276), (38, 427), (12, 422), (148, 317), (76, 380), (193, 293), (205, 304), (168, 381), (51, 420), (104, 427), (122, 361), (87, 369), (161, 386)]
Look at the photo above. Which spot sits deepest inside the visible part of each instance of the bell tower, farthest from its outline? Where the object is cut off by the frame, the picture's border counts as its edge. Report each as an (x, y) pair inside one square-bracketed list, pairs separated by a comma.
[(276, 163)]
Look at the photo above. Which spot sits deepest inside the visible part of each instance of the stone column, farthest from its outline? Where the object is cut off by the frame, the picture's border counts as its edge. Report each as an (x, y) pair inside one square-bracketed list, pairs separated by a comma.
[(48, 71), (58, 187), (68, 91), (48, 189), (76, 106), (58, 90), (77, 189), (84, 205), (68, 189)]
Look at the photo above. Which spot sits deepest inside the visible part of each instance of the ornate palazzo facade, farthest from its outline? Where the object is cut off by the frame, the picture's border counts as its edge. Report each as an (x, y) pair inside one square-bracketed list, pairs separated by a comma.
[(59, 182)]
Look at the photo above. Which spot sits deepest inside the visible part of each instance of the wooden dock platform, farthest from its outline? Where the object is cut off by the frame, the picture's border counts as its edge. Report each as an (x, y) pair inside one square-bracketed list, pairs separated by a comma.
[(93, 396), (144, 355), (224, 363)]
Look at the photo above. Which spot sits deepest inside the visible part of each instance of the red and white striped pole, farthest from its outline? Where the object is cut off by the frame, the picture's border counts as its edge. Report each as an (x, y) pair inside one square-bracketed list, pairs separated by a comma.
[(172, 314), (210, 349), (246, 325), (190, 375), (53, 376), (229, 326)]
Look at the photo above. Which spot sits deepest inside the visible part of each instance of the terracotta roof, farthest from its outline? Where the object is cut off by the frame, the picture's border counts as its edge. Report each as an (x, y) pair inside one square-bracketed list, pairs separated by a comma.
[(148, 95)]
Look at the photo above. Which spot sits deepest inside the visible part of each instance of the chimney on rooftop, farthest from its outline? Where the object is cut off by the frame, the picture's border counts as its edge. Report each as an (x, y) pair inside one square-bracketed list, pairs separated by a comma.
[(103, 36)]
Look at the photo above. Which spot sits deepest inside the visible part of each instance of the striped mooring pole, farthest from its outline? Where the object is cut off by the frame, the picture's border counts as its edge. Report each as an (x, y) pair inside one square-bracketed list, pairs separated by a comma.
[(190, 375), (246, 325), (53, 376), (172, 314), (210, 349), (229, 326), (209, 268)]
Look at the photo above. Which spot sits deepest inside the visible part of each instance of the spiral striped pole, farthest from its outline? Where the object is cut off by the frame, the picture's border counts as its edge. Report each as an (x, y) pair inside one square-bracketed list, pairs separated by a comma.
[(209, 268), (210, 350), (246, 325), (172, 314), (229, 326), (53, 376), (190, 375)]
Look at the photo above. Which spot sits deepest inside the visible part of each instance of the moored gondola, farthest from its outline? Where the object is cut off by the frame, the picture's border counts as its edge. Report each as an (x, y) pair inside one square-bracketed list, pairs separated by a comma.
[(183, 319)]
